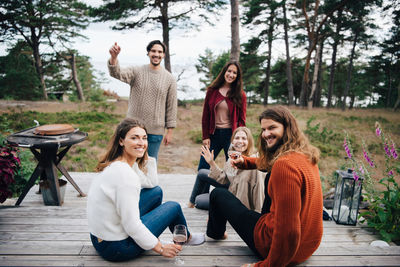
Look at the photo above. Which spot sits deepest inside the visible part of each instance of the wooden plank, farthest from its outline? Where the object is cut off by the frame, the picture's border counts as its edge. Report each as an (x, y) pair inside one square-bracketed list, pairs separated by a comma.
[(42, 248), (242, 249), (223, 261), (352, 261), (61, 235), (143, 261), (38, 235)]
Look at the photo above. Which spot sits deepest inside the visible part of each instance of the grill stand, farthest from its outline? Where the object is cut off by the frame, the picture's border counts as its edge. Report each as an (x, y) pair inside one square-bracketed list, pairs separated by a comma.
[(48, 163)]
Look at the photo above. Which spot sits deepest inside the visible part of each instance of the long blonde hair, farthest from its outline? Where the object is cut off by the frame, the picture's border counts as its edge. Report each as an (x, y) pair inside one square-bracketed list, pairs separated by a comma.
[(115, 150), (250, 140), (293, 139)]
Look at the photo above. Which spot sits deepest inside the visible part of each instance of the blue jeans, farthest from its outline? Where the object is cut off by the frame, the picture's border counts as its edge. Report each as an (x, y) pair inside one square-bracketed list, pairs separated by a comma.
[(221, 139), (154, 141), (202, 184), (154, 215)]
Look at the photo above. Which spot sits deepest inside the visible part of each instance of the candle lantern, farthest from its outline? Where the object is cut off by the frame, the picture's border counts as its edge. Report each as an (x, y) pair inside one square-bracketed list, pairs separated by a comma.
[(347, 198)]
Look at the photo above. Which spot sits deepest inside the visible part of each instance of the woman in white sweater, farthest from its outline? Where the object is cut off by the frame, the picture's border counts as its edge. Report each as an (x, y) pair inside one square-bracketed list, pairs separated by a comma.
[(124, 209)]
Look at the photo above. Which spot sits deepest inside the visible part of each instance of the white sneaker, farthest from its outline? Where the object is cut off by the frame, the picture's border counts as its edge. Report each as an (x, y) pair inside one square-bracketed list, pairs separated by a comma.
[(196, 239)]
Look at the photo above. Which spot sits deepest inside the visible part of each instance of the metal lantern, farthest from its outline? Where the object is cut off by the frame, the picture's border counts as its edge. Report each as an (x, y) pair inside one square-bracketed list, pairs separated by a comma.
[(347, 198)]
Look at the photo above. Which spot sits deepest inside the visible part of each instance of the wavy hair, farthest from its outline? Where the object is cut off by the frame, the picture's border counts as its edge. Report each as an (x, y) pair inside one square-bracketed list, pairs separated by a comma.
[(115, 150), (250, 140), (293, 139), (236, 91)]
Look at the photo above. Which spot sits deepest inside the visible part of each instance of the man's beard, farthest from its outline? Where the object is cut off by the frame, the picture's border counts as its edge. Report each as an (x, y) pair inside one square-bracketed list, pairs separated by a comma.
[(274, 148), (155, 64)]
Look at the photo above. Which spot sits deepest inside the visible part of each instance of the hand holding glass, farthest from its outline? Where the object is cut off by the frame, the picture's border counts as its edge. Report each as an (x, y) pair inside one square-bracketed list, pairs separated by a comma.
[(179, 237)]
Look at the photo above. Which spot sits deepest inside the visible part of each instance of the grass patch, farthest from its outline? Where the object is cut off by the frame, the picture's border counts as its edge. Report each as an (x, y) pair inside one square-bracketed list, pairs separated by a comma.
[(81, 157), (324, 128)]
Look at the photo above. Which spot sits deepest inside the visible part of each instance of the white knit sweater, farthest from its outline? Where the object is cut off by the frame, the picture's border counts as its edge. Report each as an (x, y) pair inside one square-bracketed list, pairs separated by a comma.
[(113, 203), (152, 98)]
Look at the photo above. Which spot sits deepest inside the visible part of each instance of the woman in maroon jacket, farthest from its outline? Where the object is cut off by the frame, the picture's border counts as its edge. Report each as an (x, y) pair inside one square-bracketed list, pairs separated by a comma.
[(224, 110)]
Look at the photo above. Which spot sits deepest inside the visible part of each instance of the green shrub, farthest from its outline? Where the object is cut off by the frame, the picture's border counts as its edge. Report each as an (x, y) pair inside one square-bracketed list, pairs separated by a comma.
[(326, 140), (27, 166), (196, 136)]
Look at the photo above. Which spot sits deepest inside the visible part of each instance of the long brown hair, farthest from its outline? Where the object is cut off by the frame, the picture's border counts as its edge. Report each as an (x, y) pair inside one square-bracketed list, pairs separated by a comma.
[(236, 91), (250, 140), (293, 139), (115, 150)]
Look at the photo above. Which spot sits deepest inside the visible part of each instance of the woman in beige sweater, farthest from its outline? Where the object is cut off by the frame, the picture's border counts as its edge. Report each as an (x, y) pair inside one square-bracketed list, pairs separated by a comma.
[(246, 185)]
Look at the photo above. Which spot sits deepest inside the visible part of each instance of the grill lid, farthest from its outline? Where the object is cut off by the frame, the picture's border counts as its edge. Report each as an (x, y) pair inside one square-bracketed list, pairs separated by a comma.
[(53, 129)]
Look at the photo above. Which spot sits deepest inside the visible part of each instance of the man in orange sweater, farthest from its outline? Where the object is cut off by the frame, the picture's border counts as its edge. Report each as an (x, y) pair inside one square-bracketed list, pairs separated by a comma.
[(289, 228)]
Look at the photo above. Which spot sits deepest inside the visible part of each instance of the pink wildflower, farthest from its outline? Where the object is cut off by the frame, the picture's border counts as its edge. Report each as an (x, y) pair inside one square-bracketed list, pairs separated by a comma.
[(378, 131), (346, 148), (361, 170), (370, 162), (387, 150), (355, 176), (393, 152), (390, 173)]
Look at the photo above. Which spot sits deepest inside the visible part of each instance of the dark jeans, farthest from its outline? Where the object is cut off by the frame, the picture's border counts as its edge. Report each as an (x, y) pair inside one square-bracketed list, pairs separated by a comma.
[(154, 215), (202, 184), (224, 206), (221, 139)]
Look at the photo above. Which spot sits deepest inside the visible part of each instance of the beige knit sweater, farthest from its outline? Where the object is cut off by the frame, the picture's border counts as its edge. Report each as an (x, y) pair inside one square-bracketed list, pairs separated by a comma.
[(152, 97), (246, 185)]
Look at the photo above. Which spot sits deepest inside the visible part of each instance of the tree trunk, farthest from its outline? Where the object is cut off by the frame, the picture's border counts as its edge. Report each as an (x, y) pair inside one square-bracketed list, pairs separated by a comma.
[(313, 33), (318, 93), (352, 99), (304, 84), (397, 104), (39, 67), (268, 70), (315, 76), (75, 78), (349, 71), (165, 33), (334, 52), (288, 60), (390, 84), (235, 40)]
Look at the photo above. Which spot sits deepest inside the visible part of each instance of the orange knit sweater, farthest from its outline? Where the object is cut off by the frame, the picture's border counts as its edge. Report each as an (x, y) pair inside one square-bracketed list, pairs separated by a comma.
[(292, 231)]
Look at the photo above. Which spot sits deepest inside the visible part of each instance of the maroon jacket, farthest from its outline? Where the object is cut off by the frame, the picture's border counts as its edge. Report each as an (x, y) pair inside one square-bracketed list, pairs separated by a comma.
[(236, 115)]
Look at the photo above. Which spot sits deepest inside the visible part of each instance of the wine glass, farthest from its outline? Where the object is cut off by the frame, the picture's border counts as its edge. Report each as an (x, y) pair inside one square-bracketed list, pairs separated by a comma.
[(179, 237), (232, 154)]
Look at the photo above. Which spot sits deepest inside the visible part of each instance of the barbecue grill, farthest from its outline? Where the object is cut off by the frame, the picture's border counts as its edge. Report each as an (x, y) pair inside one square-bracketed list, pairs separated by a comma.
[(45, 142)]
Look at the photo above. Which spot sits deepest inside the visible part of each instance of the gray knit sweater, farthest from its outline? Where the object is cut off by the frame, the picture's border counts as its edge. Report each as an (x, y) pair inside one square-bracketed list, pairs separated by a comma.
[(152, 97)]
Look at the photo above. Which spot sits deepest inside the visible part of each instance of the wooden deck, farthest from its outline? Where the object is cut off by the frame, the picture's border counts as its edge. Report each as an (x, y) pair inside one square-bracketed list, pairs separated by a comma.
[(38, 235)]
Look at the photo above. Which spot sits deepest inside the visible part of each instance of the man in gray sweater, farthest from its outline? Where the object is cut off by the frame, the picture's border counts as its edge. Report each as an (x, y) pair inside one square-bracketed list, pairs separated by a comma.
[(152, 95)]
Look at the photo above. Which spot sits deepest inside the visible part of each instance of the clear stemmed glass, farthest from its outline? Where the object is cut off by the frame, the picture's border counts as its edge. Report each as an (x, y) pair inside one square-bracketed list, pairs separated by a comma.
[(179, 237)]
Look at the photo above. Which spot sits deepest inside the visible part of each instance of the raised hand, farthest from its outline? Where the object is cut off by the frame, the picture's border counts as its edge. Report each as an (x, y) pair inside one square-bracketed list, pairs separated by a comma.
[(207, 155), (114, 51)]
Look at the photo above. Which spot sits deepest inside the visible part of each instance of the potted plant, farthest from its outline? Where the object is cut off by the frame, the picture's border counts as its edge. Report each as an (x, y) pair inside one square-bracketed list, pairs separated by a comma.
[(9, 165), (47, 193)]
